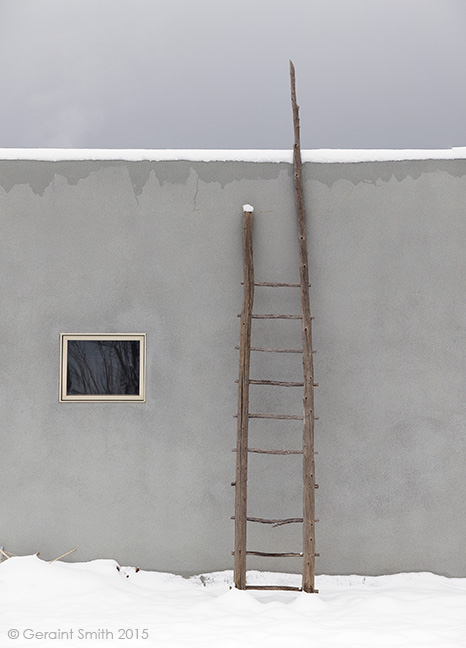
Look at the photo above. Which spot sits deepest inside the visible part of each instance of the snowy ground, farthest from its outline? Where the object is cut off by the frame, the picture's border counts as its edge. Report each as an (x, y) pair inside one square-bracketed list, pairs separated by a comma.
[(124, 607)]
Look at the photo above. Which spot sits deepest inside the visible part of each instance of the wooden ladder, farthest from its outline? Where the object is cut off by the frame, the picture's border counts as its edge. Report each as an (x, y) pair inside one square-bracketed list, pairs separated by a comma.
[(244, 415)]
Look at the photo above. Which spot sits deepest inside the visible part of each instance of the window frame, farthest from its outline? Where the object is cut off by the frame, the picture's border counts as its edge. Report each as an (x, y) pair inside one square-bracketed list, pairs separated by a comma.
[(102, 398)]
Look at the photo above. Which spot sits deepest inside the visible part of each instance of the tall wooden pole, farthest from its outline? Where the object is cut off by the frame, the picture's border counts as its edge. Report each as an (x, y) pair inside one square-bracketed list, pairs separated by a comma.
[(243, 404), (308, 370)]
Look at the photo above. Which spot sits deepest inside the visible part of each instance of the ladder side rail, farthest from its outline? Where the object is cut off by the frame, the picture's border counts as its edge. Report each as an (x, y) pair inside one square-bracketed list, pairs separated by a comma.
[(308, 370), (243, 405)]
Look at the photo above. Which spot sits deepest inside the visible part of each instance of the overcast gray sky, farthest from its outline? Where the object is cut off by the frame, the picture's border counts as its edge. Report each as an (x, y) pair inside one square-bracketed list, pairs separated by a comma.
[(214, 73)]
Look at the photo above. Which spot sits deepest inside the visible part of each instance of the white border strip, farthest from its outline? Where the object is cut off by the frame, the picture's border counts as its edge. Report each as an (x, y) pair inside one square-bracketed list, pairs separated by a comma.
[(328, 156)]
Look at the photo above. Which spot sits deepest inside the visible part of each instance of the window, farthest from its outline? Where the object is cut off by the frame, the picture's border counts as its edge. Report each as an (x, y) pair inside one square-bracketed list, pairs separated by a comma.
[(102, 367)]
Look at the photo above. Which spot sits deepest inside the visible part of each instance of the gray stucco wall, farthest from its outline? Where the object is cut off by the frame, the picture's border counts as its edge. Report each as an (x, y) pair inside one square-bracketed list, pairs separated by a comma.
[(155, 247)]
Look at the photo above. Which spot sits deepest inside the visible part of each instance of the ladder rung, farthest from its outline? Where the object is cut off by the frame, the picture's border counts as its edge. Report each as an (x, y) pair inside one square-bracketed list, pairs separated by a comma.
[(274, 383), (266, 554), (277, 452), (282, 417), (275, 522), (273, 316), (285, 588), (274, 284), (274, 350)]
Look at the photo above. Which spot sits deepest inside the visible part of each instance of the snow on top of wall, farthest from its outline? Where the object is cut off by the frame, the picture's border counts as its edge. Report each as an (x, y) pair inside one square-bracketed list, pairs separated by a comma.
[(248, 155)]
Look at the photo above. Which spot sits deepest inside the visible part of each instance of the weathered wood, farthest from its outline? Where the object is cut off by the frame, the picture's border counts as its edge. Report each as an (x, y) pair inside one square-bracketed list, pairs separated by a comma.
[(282, 452), (274, 522), (274, 284), (283, 522), (277, 452), (275, 316), (243, 406), (274, 350), (266, 554), (308, 369), (275, 383), (285, 588), (281, 417)]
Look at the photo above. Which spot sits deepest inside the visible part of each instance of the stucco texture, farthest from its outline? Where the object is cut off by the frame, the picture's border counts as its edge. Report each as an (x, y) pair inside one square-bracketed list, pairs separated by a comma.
[(155, 248)]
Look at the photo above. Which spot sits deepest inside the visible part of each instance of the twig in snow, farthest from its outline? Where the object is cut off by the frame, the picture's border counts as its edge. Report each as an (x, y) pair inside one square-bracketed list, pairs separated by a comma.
[(62, 556)]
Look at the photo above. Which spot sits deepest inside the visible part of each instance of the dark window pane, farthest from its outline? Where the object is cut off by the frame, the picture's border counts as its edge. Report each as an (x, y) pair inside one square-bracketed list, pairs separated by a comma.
[(103, 367)]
